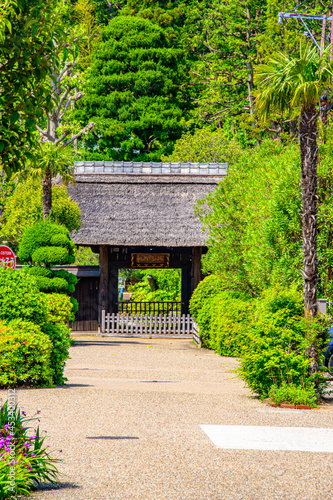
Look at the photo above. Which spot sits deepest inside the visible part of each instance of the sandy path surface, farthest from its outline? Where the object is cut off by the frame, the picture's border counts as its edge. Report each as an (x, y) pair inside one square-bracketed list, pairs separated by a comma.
[(128, 424)]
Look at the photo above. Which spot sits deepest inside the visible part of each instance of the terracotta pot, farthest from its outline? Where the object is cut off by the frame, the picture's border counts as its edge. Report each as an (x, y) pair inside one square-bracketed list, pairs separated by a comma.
[(285, 405), (303, 407)]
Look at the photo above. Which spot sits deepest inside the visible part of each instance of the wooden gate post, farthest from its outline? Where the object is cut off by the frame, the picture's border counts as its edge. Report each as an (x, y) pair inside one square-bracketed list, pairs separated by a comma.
[(104, 280), (186, 289), (196, 267), (113, 290)]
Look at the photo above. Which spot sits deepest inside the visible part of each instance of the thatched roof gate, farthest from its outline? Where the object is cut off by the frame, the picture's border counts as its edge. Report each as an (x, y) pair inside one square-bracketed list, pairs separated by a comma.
[(134, 207)]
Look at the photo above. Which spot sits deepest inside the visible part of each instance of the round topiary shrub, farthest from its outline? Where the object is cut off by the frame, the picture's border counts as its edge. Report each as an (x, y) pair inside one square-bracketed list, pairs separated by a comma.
[(24, 354), (20, 297), (46, 243)]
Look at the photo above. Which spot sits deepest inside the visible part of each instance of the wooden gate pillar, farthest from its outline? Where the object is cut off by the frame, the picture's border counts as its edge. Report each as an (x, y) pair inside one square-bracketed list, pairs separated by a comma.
[(196, 267), (104, 280), (186, 289), (113, 290)]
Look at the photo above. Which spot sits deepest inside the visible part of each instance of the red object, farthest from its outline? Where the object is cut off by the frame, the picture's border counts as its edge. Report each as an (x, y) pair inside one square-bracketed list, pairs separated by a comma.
[(7, 257), (303, 407), (285, 405)]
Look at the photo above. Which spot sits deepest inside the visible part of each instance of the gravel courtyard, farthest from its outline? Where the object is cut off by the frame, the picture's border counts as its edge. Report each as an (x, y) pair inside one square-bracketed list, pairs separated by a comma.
[(128, 424)]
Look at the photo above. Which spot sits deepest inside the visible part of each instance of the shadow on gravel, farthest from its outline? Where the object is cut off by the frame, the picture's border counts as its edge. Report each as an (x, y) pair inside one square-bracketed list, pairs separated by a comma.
[(111, 343), (68, 386), (57, 486), (111, 437)]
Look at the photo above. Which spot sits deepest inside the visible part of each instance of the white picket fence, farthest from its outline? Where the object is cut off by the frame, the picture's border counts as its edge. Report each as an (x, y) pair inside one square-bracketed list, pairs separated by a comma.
[(147, 325)]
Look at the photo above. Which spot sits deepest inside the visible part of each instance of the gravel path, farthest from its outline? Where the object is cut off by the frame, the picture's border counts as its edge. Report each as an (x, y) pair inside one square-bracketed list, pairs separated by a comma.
[(128, 427)]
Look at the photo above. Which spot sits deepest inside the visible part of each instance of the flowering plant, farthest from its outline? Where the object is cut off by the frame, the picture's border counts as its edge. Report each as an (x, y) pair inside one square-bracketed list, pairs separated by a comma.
[(25, 461)]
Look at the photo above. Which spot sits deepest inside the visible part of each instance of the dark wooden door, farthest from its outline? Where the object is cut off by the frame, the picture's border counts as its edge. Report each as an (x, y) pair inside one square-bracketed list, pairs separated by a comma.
[(86, 293)]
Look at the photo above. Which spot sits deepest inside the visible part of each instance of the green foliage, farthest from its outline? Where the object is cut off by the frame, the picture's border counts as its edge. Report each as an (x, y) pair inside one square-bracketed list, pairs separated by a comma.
[(223, 317), (59, 336), (206, 289), (134, 93), (293, 394), (59, 308), (223, 40), (248, 246), (254, 220), (296, 80), (24, 354), (29, 50), (168, 282), (37, 244), (86, 257), (33, 463), (23, 207), (20, 297), (204, 145), (277, 342)]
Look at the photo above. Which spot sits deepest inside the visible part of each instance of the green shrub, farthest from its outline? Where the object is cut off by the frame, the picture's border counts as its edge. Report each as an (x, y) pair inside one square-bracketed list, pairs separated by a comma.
[(59, 336), (20, 297), (229, 324), (223, 316), (51, 256), (24, 354), (44, 272), (293, 394), (37, 244), (59, 308), (277, 341), (33, 463), (208, 288)]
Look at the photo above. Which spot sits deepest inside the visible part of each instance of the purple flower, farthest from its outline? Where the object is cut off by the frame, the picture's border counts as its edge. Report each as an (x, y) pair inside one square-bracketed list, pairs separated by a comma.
[(32, 454), (23, 413)]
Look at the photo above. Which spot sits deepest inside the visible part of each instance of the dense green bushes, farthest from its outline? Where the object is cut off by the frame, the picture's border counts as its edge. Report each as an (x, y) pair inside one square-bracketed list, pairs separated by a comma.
[(58, 334), (277, 342), (269, 334), (20, 298), (34, 338), (222, 316), (24, 354)]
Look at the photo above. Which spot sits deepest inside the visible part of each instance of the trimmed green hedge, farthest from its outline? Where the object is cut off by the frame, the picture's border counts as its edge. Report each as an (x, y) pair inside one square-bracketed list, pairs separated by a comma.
[(46, 243), (269, 334), (24, 354), (223, 317), (59, 336)]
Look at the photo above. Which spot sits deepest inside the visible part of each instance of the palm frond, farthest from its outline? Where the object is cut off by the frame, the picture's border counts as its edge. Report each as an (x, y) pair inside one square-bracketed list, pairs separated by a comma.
[(293, 80)]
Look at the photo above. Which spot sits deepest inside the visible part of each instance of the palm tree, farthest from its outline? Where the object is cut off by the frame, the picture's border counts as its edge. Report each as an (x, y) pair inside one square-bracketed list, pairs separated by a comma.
[(297, 81), (51, 160)]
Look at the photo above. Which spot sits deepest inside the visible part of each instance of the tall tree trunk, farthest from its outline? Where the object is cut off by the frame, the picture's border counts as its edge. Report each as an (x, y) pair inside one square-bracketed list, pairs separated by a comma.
[(309, 158), (47, 194)]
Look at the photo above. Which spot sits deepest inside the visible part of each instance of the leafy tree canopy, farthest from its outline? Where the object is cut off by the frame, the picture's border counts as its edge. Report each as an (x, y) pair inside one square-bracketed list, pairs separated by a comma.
[(24, 206), (31, 34), (254, 220), (205, 145), (135, 93)]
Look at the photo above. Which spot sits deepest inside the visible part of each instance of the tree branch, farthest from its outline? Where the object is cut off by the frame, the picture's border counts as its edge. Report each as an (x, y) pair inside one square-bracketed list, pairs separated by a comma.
[(45, 133), (85, 130)]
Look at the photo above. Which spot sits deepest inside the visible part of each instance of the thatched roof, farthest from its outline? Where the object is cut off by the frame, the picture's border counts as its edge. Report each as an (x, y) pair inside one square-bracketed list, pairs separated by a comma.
[(142, 204)]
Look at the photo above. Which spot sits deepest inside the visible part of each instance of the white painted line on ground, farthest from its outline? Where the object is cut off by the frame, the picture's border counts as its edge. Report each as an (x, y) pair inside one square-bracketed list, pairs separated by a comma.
[(248, 437)]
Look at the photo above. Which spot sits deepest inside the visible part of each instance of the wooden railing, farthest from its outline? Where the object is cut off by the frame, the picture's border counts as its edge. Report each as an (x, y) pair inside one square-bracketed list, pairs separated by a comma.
[(147, 325), (149, 307)]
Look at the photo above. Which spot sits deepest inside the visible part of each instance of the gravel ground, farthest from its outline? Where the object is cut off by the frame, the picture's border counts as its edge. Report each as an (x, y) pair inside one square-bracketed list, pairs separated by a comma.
[(128, 426)]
